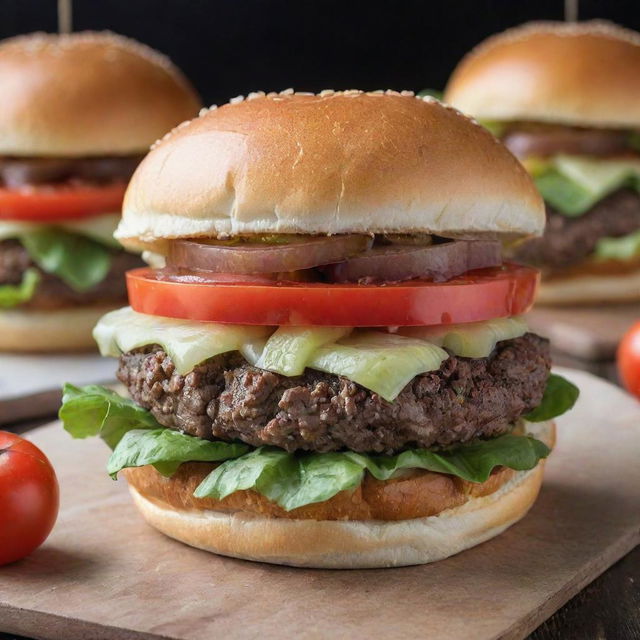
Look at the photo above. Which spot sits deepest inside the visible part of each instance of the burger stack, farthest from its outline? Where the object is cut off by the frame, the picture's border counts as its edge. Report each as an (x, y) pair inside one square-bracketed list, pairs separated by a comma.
[(331, 369), (78, 113)]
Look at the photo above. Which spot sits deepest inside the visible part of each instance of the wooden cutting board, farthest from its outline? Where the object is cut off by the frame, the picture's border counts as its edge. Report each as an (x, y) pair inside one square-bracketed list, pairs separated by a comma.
[(104, 574), (30, 384), (585, 332)]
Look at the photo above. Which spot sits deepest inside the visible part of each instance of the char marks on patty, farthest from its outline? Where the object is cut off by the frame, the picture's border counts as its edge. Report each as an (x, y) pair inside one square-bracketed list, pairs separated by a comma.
[(226, 398)]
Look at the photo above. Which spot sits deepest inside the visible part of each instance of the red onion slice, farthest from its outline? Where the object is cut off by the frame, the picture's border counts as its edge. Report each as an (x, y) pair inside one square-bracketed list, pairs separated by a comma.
[(264, 258), (438, 262)]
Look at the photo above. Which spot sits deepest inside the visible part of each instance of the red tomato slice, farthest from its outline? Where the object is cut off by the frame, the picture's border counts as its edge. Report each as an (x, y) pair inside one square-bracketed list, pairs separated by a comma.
[(478, 295), (53, 203), (28, 497), (629, 359)]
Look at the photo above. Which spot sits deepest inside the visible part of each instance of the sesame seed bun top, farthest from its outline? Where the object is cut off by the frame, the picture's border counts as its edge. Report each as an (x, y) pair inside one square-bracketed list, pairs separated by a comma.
[(584, 74), (336, 162), (87, 94)]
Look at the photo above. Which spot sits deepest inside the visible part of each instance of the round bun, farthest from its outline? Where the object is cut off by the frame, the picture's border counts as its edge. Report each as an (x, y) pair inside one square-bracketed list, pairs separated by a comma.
[(33, 331), (590, 289), (585, 74), (87, 94), (340, 533), (336, 162)]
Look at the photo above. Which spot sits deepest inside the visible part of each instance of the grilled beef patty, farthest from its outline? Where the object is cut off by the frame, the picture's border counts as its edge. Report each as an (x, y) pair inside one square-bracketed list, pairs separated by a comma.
[(226, 398), (569, 241), (52, 293)]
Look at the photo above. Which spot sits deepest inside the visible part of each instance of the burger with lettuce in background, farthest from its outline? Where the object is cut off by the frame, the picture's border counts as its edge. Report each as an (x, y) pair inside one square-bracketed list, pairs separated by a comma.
[(332, 368), (565, 99), (78, 112)]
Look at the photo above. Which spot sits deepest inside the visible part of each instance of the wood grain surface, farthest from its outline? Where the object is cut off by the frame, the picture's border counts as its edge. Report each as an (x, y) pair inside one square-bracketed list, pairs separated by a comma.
[(586, 332), (105, 574), (608, 608)]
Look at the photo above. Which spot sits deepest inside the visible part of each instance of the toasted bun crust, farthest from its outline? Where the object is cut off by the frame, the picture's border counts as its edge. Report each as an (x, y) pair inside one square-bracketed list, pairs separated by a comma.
[(87, 94), (355, 544), (585, 74), (414, 494), (49, 331), (590, 289), (418, 518), (328, 163)]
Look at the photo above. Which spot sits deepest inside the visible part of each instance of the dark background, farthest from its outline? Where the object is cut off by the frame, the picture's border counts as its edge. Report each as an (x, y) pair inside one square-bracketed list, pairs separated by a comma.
[(231, 47)]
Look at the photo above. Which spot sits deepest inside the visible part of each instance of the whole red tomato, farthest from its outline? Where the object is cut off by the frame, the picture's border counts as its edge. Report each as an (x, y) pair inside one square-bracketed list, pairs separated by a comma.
[(28, 497), (629, 359)]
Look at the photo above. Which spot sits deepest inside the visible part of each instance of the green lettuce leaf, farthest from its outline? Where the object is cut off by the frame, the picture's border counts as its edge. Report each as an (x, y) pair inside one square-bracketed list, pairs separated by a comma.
[(11, 295), (564, 194), (268, 470), (287, 479), (295, 480), (166, 450), (96, 411), (559, 396), (624, 248), (473, 461), (78, 261)]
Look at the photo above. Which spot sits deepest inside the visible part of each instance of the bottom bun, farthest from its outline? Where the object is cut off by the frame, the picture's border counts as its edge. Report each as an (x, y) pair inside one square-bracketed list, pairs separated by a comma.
[(49, 331), (339, 543), (590, 289), (334, 544)]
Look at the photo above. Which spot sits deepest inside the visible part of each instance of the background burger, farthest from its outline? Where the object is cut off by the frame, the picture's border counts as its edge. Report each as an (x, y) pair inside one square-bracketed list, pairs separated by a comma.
[(564, 99), (331, 370), (77, 114)]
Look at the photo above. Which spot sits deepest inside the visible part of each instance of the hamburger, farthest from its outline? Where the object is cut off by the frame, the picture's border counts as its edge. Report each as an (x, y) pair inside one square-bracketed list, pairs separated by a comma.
[(563, 97), (331, 369), (78, 113)]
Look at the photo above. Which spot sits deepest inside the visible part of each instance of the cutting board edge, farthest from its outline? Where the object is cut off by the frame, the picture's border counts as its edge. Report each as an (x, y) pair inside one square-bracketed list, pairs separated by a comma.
[(585, 576), (31, 623)]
